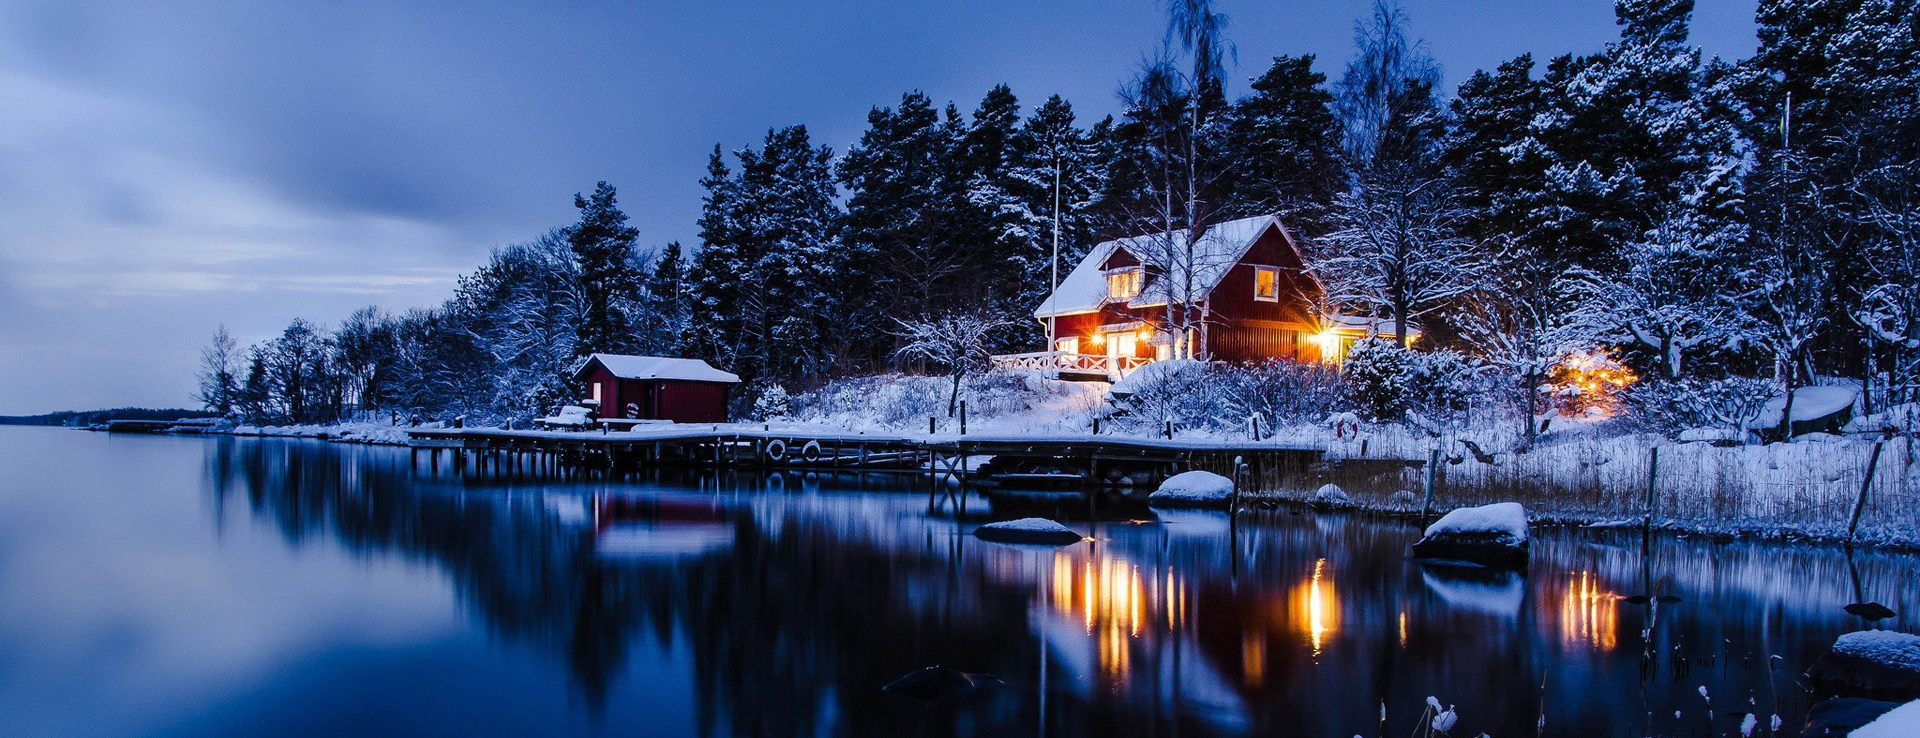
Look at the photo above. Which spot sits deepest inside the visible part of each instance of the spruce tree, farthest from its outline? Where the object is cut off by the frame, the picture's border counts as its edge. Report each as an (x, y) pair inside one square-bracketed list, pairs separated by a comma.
[(1285, 148), (602, 244)]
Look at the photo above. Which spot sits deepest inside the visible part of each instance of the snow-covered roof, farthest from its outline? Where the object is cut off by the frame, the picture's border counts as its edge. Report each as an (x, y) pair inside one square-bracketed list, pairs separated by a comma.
[(657, 367), (1219, 248)]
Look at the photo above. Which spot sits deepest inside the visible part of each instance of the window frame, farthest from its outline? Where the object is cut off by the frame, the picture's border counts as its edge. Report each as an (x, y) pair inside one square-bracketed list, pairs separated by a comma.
[(1134, 277), (1275, 273)]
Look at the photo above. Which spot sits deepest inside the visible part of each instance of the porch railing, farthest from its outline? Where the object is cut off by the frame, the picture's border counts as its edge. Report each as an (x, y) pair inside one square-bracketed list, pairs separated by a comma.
[(1055, 363)]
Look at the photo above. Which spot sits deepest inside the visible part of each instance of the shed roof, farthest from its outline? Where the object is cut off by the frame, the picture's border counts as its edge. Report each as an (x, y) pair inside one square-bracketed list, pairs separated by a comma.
[(1219, 248), (656, 367)]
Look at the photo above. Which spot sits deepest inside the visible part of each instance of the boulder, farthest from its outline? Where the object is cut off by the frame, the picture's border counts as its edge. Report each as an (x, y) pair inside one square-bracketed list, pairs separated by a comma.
[(1194, 489), (1839, 717), (1879, 664), (1490, 535), (1028, 530), (1899, 722), (1331, 494), (939, 684)]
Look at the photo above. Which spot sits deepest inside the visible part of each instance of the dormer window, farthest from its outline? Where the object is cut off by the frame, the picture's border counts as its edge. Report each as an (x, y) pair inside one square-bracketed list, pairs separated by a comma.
[(1124, 284), (1266, 284)]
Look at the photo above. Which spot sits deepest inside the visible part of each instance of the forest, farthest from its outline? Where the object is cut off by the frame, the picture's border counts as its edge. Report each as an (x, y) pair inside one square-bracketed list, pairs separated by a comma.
[(1721, 229)]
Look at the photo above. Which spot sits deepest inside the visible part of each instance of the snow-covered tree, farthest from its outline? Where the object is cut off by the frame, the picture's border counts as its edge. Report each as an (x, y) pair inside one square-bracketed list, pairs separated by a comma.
[(955, 342), (763, 275), (603, 246), (1534, 311), (1284, 143), (219, 380)]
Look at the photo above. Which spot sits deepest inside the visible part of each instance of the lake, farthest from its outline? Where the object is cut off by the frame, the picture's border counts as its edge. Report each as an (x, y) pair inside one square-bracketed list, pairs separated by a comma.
[(189, 586)]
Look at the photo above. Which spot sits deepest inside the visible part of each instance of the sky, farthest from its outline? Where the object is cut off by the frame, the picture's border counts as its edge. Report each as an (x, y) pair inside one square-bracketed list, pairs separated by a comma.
[(166, 168)]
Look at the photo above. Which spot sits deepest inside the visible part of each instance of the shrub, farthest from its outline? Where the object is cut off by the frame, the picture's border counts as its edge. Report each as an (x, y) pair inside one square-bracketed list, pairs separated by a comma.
[(1669, 406), (1380, 374)]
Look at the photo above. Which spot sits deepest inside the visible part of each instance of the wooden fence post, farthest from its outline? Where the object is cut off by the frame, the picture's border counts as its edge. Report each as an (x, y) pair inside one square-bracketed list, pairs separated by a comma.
[(1653, 476), (1866, 485), (963, 417), (1433, 470)]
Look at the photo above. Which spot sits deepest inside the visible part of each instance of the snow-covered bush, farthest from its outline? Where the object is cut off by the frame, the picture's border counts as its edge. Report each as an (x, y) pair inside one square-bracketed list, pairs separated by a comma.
[(1387, 380), (1380, 374), (1190, 393), (1283, 391), (1670, 406), (771, 402)]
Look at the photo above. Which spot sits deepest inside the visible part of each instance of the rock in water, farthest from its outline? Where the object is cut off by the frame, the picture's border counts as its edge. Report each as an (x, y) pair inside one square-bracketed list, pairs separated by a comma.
[(1028, 530), (1900, 722), (1490, 535), (1880, 664), (1193, 489), (1871, 611), (1838, 717), (939, 684)]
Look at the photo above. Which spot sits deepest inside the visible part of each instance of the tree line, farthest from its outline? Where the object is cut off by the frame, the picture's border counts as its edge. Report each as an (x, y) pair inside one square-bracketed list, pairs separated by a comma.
[(1705, 218)]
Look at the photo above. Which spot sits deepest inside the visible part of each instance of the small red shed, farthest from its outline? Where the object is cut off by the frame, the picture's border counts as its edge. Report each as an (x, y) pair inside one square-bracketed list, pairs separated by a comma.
[(655, 388)]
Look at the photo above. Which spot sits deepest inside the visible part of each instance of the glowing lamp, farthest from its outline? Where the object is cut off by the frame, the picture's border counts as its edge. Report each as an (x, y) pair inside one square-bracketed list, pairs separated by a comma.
[(1099, 339)]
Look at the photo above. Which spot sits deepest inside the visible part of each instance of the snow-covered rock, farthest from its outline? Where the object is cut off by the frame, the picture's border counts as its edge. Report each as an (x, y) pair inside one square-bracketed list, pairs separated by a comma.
[(1870, 663), (1152, 372), (1836, 717), (1491, 535), (1814, 409), (1027, 530), (1900, 722), (1193, 489), (1331, 494)]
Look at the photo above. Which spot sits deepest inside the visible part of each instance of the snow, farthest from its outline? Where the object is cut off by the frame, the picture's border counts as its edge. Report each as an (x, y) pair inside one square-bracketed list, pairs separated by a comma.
[(1716, 435), (1900, 722), (658, 367), (1194, 486), (1904, 418), (571, 415), (1809, 403), (1030, 525), (1085, 288), (1331, 493), (1506, 519), (1152, 372), (1887, 648)]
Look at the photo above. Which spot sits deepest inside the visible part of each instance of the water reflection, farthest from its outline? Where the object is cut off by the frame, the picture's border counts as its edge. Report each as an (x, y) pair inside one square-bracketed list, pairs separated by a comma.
[(1588, 614), (794, 605)]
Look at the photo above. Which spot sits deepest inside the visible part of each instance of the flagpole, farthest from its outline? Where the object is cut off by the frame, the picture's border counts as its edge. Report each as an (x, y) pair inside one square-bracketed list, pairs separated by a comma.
[(1053, 264)]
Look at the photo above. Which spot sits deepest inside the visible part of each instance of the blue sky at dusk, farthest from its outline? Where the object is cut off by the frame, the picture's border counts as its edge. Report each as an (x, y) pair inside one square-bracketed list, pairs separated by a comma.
[(165, 167)]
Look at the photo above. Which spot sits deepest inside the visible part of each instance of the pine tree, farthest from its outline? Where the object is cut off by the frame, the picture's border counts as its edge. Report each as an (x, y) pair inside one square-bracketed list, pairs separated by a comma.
[(1285, 148), (603, 246), (668, 302)]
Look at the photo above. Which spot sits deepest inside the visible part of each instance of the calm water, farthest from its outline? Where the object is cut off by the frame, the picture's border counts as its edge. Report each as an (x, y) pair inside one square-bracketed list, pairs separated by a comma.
[(184, 586)]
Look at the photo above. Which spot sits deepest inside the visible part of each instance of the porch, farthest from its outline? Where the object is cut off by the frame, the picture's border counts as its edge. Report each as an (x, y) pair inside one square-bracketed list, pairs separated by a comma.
[(1072, 366)]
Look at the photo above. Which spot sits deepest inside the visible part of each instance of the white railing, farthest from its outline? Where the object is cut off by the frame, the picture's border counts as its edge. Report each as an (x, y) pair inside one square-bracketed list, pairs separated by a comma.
[(1058, 362)]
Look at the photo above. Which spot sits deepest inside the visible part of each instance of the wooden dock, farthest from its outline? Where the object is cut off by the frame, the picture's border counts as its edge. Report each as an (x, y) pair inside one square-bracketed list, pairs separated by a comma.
[(1050, 461)]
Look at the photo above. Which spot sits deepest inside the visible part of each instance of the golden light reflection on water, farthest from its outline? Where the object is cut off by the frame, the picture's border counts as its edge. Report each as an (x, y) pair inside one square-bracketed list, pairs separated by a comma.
[(1112, 599), (1318, 607), (1588, 613)]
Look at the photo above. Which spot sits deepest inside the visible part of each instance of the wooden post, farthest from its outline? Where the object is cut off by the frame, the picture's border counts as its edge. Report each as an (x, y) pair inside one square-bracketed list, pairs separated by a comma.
[(1873, 461), (1433, 470), (1653, 478), (929, 425), (1096, 425), (963, 417), (1169, 429)]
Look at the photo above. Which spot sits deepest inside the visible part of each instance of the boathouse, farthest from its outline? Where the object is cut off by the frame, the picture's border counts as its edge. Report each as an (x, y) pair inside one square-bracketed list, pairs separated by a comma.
[(654, 388), (1245, 280)]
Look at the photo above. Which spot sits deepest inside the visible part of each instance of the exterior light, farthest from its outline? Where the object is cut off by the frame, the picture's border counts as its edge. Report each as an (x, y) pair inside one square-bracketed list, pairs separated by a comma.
[(1099, 339), (1146, 334)]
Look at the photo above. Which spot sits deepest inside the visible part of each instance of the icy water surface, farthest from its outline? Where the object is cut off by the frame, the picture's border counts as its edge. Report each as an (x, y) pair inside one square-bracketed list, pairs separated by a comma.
[(180, 586)]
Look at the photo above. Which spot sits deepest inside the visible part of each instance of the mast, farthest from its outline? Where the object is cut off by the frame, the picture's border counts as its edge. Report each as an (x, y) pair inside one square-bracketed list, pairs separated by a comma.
[(1053, 263)]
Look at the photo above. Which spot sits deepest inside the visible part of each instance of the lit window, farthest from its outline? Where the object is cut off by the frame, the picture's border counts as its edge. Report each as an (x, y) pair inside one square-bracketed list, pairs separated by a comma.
[(1123, 284), (1266, 284), (1068, 345), (596, 391)]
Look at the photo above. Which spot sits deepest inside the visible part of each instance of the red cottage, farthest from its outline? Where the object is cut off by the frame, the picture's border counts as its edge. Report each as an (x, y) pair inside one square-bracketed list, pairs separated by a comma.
[(655, 388), (1244, 280)]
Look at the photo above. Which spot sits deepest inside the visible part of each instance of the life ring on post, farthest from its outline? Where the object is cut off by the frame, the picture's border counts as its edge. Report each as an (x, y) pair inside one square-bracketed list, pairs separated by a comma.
[(810, 452), (775, 450), (1347, 428)]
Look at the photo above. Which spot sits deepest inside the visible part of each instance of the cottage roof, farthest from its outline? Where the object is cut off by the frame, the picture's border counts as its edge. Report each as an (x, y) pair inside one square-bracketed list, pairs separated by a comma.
[(656, 367), (1218, 249)]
